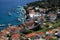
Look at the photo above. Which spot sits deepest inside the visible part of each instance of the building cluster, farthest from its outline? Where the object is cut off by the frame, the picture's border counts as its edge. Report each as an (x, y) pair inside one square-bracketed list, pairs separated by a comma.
[(17, 33), (36, 19)]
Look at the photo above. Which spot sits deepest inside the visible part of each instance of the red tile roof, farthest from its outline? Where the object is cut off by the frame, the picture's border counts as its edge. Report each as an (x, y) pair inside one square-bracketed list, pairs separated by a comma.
[(15, 35), (41, 33), (30, 35)]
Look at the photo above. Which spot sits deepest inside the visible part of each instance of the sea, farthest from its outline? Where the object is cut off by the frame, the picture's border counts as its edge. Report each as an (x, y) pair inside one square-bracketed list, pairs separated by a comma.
[(8, 5)]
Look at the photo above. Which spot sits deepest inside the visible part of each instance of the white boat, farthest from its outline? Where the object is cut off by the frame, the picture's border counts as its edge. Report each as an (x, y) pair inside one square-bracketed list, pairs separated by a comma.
[(9, 13), (2, 24)]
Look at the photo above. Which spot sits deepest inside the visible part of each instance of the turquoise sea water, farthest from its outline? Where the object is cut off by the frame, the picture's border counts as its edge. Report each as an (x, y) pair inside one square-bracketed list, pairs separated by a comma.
[(6, 6)]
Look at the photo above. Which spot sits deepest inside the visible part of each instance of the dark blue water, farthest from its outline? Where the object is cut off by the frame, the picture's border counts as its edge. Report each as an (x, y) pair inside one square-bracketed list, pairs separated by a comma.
[(6, 5)]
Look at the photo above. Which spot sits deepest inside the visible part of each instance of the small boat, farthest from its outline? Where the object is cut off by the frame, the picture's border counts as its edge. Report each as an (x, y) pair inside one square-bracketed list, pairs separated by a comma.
[(2, 24), (19, 19), (9, 24), (9, 13)]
